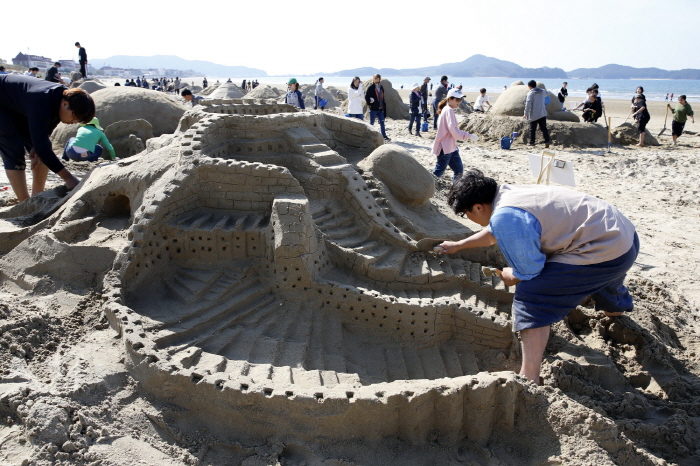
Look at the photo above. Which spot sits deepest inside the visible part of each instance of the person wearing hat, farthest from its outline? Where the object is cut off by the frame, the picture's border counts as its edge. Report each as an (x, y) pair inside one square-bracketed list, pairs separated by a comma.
[(294, 96), (424, 94), (88, 144), (448, 133), (30, 109), (415, 98)]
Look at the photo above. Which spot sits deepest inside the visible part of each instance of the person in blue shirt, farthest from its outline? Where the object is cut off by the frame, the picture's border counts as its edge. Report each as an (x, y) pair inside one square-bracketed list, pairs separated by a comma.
[(562, 246)]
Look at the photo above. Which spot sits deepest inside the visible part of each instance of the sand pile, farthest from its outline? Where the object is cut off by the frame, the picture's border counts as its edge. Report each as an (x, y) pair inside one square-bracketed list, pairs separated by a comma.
[(395, 106), (627, 134), (566, 134), (263, 91), (511, 102), (227, 91)]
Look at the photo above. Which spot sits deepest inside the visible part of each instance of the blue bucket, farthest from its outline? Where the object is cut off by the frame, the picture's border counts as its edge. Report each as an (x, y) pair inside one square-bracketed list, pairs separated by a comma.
[(506, 142), (424, 127)]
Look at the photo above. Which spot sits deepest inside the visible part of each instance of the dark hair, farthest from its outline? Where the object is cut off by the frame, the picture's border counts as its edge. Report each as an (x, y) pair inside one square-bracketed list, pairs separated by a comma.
[(78, 44), (444, 78), (682, 96), (483, 89), (640, 87), (532, 83), (352, 83), (57, 64), (469, 189), (320, 79), (2, 68), (80, 103), (185, 92), (565, 82), (594, 86)]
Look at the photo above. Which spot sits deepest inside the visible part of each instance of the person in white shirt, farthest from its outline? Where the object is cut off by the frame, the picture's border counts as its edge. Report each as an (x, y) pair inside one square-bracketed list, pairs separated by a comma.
[(482, 100), (355, 99)]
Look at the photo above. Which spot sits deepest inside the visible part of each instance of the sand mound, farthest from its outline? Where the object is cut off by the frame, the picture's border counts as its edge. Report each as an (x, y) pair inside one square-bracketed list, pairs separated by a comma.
[(395, 106), (92, 86), (308, 91), (227, 91), (263, 92), (628, 134), (512, 103), (124, 103), (567, 134), (406, 178)]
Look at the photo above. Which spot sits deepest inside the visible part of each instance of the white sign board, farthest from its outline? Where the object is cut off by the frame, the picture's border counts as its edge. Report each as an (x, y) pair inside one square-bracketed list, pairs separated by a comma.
[(547, 168)]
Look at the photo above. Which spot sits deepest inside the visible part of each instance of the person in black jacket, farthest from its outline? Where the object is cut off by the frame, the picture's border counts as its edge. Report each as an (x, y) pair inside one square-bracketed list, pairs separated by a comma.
[(83, 59), (641, 114), (592, 109), (53, 75), (563, 94), (30, 109), (440, 95), (377, 105), (424, 94)]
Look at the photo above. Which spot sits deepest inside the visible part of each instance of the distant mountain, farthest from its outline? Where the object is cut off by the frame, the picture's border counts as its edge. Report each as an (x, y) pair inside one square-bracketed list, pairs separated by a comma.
[(476, 66), (628, 72), (176, 63)]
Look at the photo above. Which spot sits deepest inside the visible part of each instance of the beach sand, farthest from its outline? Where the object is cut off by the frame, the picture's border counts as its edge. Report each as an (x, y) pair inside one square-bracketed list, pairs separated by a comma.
[(71, 371)]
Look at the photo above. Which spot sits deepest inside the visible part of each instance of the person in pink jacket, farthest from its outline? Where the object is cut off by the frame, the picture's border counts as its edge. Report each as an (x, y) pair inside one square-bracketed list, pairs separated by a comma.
[(448, 133)]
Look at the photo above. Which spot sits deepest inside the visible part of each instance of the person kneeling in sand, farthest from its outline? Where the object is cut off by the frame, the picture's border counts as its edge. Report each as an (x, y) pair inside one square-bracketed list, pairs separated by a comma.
[(88, 144), (30, 109), (592, 109), (562, 246)]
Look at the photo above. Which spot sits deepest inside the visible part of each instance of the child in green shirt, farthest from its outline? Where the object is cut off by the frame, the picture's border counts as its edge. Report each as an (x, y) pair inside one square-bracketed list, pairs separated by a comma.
[(88, 144)]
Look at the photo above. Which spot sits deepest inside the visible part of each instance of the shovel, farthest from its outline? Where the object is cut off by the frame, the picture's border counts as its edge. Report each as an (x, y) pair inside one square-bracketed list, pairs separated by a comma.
[(665, 120), (429, 244), (628, 116)]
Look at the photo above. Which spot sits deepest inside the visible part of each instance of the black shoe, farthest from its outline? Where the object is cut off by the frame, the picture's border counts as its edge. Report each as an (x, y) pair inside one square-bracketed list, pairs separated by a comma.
[(418, 134), (410, 130), (546, 146), (387, 139)]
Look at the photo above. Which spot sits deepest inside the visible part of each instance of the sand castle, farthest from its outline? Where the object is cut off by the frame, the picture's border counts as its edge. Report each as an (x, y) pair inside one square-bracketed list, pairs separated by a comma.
[(257, 278)]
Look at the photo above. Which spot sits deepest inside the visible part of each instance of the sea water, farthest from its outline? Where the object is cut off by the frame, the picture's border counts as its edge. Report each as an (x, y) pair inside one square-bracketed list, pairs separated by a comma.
[(654, 89)]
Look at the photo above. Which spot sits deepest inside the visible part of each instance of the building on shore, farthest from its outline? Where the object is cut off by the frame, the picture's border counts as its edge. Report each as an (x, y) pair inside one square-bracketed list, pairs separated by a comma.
[(29, 61)]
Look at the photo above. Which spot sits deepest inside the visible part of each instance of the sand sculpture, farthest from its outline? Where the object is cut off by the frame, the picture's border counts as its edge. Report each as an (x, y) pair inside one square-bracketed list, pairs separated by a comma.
[(512, 103), (258, 268), (129, 137)]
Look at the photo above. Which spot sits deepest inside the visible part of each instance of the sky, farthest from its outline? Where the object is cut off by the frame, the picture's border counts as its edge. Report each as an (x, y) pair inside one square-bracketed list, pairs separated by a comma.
[(294, 37)]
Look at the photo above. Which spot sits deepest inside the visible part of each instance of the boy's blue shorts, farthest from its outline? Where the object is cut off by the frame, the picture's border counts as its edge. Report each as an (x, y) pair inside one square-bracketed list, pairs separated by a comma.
[(559, 288)]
